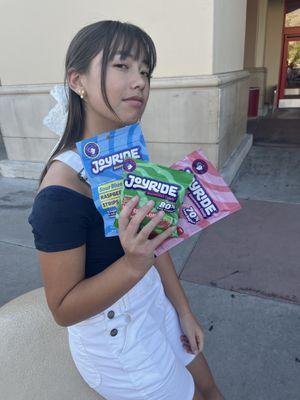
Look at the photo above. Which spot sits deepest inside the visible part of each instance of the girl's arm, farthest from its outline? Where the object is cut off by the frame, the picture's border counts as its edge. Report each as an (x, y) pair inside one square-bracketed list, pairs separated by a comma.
[(171, 283), (72, 298)]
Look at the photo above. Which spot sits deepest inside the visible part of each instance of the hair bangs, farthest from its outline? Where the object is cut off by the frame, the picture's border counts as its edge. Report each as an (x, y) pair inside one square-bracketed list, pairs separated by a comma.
[(133, 41)]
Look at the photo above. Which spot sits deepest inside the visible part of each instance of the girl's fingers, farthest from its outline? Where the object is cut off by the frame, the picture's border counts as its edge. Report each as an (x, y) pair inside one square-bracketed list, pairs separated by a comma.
[(136, 220), (187, 348), (186, 345), (200, 343), (126, 212), (147, 229), (162, 236), (132, 225), (184, 340)]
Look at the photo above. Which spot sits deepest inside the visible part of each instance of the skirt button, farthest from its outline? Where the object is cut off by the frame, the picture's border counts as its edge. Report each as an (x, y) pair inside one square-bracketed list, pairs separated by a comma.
[(114, 332), (111, 314)]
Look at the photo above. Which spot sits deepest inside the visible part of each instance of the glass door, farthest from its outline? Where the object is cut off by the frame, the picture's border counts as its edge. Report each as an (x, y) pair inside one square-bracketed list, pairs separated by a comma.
[(289, 81), (290, 94)]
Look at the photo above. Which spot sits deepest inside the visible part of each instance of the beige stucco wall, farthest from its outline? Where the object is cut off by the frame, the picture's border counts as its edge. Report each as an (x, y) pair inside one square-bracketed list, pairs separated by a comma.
[(199, 37), (262, 12), (255, 46), (182, 115), (35, 35), (199, 93), (229, 35), (250, 35), (273, 45)]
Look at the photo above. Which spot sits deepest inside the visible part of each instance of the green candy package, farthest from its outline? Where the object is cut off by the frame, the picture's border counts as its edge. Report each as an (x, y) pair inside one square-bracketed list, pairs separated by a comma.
[(165, 186)]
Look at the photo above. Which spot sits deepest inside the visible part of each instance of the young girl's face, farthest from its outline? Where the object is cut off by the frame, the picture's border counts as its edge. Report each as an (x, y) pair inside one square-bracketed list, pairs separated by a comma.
[(127, 88)]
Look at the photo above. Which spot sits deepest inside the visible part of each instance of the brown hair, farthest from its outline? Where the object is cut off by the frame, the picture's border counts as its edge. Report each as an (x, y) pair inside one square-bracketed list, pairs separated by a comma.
[(109, 37)]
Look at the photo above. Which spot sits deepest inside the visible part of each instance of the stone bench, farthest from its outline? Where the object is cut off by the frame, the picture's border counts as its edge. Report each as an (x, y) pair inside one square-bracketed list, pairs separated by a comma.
[(36, 363)]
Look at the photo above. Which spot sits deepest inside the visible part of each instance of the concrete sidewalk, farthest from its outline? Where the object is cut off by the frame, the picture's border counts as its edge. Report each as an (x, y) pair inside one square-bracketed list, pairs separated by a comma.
[(251, 339)]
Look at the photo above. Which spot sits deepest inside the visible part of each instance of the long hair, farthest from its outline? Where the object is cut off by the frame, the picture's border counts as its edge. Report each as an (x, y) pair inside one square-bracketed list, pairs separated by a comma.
[(109, 37)]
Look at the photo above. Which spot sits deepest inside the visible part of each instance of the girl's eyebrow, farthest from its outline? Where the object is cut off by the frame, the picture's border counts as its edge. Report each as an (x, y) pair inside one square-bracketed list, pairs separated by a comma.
[(123, 55)]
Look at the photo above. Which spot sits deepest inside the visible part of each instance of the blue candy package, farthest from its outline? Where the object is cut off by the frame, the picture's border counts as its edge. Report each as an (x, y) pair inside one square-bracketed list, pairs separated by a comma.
[(102, 157)]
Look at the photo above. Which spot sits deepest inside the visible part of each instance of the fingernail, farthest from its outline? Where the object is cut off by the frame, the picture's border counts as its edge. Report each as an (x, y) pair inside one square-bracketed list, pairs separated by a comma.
[(150, 203), (161, 213), (134, 198)]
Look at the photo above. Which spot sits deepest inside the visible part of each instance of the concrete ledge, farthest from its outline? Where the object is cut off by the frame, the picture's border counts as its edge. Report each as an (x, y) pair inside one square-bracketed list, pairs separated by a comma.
[(199, 81), (21, 169), (232, 165), (26, 89), (191, 112), (32, 170), (156, 83)]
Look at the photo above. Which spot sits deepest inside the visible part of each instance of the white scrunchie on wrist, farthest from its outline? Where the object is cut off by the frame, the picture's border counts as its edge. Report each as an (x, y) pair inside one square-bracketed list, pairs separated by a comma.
[(56, 119)]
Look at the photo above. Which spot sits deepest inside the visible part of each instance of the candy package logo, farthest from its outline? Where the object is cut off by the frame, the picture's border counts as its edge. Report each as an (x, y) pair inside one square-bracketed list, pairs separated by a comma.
[(201, 198), (129, 165), (91, 150), (152, 187), (115, 160), (199, 167)]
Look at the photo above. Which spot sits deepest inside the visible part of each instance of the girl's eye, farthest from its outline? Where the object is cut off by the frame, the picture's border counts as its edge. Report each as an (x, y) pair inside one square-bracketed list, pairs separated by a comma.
[(121, 66), (146, 73)]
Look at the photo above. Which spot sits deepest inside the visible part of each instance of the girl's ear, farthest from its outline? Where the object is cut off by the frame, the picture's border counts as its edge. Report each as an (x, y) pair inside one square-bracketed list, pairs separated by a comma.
[(74, 81)]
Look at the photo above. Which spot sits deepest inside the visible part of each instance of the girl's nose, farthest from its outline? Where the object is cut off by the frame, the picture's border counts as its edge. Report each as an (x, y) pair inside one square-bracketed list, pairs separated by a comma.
[(138, 81)]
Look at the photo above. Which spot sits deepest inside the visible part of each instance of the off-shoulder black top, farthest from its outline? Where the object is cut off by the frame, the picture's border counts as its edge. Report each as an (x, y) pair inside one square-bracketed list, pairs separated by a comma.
[(62, 219)]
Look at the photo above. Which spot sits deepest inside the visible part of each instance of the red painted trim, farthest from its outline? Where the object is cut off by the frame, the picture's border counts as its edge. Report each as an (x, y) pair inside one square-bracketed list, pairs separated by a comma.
[(287, 35), (294, 30), (283, 70), (279, 86)]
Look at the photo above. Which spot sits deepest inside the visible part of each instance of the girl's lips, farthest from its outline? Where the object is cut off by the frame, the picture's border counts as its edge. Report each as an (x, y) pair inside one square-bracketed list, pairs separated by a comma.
[(134, 102)]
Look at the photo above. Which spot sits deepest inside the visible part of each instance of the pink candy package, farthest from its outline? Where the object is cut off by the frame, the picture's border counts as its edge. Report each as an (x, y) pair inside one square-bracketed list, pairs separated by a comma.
[(208, 199)]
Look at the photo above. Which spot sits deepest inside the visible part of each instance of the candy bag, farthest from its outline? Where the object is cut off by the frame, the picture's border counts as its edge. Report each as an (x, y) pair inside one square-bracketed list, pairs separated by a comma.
[(149, 181), (207, 200), (103, 156)]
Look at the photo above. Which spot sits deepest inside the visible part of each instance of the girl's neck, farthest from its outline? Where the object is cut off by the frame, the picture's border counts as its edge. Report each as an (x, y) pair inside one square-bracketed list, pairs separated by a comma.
[(94, 125)]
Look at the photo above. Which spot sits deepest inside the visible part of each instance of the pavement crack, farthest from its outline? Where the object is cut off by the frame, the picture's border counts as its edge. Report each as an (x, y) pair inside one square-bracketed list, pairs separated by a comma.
[(272, 295), (214, 282), (16, 244)]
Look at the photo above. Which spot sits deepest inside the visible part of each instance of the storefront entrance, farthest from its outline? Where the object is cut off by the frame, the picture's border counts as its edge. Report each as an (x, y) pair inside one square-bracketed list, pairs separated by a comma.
[(289, 84)]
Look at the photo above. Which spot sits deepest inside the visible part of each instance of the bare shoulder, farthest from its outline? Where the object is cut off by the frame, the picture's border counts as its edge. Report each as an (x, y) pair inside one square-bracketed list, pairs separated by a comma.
[(61, 174)]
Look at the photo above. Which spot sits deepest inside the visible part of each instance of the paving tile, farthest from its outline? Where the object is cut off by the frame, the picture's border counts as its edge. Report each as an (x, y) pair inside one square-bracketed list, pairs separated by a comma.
[(269, 173), (16, 200), (251, 344), (20, 271), (255, 250)]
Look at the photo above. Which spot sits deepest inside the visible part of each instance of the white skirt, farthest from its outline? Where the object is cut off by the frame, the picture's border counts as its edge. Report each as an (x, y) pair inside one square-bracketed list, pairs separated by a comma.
[(132, 350)]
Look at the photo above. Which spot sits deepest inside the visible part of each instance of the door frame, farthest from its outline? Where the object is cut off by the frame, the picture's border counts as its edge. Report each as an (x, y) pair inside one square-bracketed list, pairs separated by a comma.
[(283, 70), (287, 34)]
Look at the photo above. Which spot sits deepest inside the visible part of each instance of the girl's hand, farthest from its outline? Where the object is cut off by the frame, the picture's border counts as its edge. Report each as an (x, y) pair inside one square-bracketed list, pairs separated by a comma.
[(139, 250), (193, 338)]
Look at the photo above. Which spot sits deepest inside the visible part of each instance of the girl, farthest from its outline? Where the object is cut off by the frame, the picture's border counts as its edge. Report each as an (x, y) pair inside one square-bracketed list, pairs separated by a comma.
[(131, 332)]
